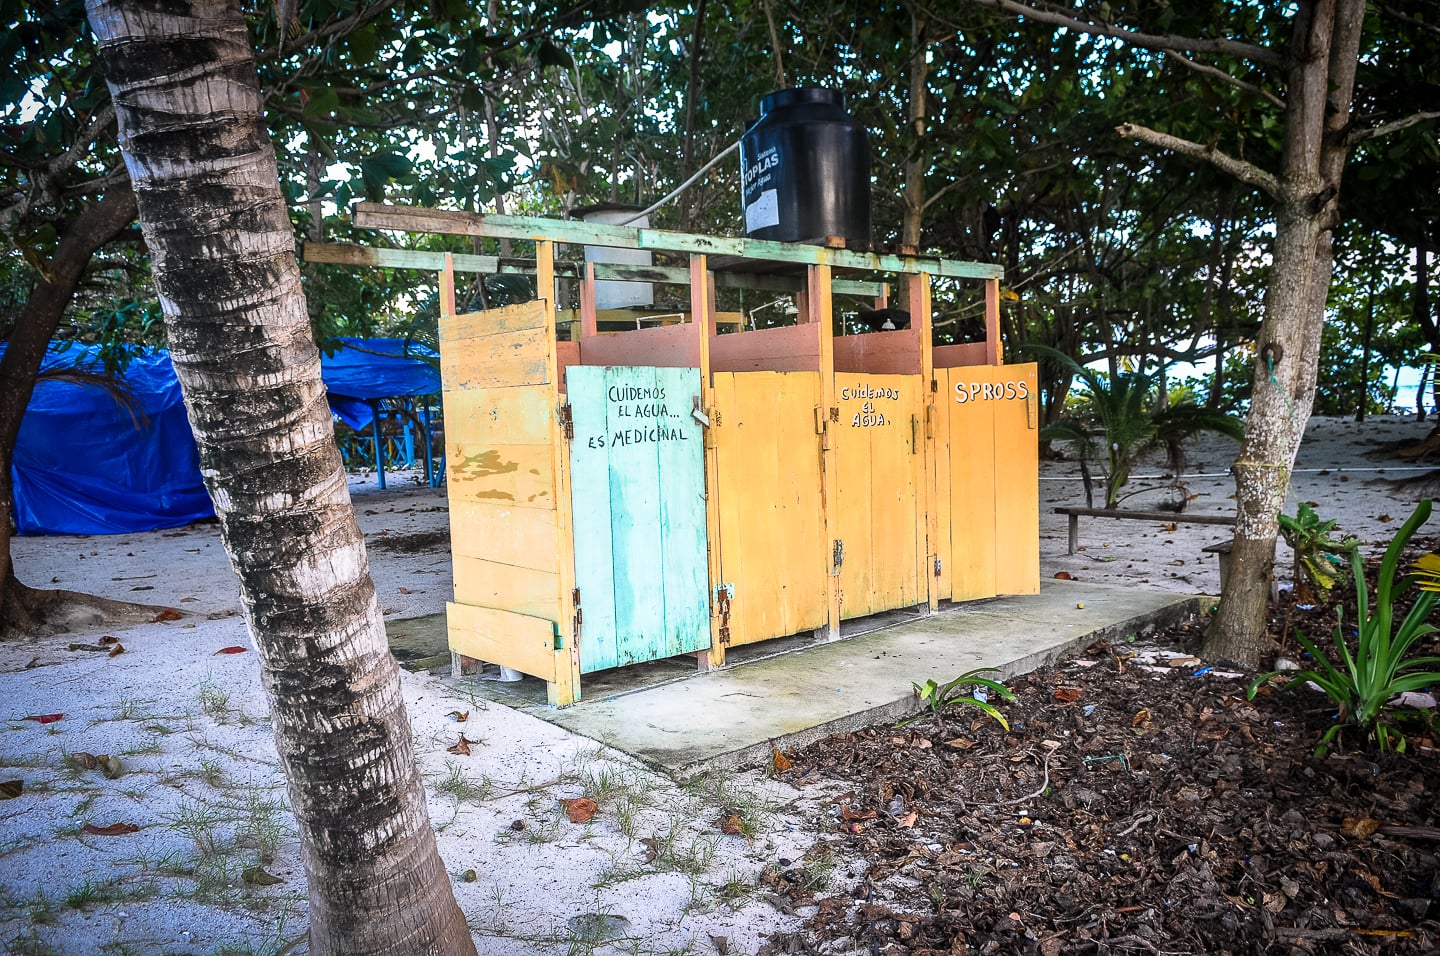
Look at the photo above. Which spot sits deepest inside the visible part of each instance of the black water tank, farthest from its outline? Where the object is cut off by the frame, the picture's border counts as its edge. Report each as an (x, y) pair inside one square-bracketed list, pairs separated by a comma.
[(805, 170)]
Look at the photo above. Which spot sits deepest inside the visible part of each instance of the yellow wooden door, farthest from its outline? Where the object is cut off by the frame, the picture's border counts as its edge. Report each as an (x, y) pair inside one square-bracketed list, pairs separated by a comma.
[(772, 533), (988, 416), (877, 506)]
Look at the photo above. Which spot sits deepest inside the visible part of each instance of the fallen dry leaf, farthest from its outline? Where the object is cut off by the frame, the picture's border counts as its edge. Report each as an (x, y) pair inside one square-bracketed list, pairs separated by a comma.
[(652, 848), (1374, 882), (233, 649), (44, 718), (462, 746), (256, 876), (778, 760), (721, 944), (730, 826), (1383, 518), (169, 614), (114, 829), (1067, 694), (848, 814), (1141, 718), (1171, 528), (117, 650), (10, 789), (81, 760), (1359, 826), (960, 743), (1064, 576), (404, 590), (580, 809), (459, 716), (908, 820)]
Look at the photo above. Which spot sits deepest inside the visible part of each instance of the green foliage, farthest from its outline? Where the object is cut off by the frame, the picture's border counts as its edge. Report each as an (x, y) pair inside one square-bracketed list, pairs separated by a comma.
[(1319, 564), (1119, 418), (960, 692), (1363, 681)]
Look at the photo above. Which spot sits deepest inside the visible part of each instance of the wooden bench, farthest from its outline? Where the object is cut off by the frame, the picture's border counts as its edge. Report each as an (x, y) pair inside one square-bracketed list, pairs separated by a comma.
[(1075, 514)]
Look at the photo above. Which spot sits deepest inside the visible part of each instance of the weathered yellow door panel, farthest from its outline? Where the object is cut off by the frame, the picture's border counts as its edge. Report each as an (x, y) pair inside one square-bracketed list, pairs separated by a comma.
[(492, 584), (523, 537), (1017, 483), (497, 361), (503, 637), (879, 471), (972, 485), (994, 480), (772, 541), (500, 416), (457, 329), (522, 475)]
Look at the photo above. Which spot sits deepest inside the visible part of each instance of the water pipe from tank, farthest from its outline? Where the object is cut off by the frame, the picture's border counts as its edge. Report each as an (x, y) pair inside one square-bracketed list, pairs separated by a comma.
[(685, 185)]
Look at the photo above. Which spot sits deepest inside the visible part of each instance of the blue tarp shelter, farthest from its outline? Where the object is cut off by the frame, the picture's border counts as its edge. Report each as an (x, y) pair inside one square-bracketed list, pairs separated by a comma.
[(84, 464)]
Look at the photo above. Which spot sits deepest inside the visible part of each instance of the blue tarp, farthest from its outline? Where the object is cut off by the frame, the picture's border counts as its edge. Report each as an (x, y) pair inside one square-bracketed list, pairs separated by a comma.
[(364, 369), (83, 465)]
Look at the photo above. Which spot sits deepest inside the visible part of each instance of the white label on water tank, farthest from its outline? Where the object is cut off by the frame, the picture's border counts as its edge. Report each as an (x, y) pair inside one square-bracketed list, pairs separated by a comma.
[(764, 211)]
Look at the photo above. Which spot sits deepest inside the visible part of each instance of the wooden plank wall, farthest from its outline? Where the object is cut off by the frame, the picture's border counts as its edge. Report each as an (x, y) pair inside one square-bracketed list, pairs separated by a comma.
[(505, 500), (789, 348), (896, 352)]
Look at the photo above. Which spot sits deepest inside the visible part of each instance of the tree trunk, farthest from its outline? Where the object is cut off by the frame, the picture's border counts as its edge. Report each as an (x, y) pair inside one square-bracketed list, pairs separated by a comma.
[(20, 367), (1323, 55), (184, 84), (914, 196), (692, 99)]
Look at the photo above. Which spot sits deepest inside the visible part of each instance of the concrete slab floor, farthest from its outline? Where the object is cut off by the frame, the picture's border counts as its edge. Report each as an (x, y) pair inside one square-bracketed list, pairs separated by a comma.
[(673, 717)]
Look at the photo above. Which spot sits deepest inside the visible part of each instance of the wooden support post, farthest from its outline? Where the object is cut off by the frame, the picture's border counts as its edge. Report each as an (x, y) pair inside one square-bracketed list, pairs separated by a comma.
[(702, 320), (993, 351), (447, 287), (917, 295), (817, 309), (565, 689), (589, 325)]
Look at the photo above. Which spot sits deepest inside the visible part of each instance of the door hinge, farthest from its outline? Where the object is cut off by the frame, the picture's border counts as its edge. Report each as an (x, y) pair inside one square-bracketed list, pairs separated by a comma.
[(567, 422), (1030, 411), (837, 556), (937, 567), (914, 434), (819, 420), (579, 616)]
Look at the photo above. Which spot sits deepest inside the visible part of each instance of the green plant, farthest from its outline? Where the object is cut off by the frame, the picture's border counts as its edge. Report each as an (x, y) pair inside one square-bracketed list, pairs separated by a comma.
[(940, 697), (1319, 561), (1363, 681), (1120, 417)]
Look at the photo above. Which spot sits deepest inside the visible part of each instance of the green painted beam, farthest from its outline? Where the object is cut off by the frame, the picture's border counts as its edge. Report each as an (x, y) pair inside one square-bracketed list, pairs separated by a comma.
[(344, 253), (449, 222)]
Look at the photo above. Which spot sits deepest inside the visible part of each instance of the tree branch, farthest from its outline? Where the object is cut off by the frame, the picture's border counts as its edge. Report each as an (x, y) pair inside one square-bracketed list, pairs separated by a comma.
[(81, 147), (1385, 129), (1244, 171), (1220, 74), (1147, 41)]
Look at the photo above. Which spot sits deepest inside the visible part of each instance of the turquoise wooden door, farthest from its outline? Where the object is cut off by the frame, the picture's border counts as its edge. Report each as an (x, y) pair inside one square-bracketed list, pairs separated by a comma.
[(637, 474)]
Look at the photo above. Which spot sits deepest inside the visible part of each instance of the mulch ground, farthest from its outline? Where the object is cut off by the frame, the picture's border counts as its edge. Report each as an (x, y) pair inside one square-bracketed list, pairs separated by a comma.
[(1132, 807)]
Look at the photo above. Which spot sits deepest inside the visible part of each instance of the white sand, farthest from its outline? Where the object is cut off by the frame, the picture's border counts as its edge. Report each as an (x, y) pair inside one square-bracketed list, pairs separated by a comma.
[(201, 778)]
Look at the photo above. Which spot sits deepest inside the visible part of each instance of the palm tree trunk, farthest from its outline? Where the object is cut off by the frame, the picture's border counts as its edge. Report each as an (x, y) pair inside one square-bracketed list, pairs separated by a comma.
[(183, 80)]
